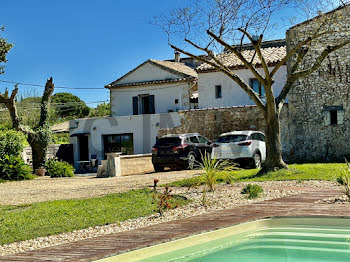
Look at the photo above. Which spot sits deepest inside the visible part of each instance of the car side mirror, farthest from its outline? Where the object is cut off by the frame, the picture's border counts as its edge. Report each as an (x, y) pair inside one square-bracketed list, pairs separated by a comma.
[(209, 143)]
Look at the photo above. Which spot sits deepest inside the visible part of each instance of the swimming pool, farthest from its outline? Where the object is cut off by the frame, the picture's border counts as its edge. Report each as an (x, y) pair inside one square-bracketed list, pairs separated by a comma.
[(277, 239)]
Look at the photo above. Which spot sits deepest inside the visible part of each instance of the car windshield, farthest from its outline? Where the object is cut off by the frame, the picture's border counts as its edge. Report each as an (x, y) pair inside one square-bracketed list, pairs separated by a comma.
[(231, 138), (168, 141)]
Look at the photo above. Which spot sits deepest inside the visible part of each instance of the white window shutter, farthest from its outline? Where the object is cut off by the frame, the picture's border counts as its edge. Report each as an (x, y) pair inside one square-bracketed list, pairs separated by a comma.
[(340, 117), (327, 117)]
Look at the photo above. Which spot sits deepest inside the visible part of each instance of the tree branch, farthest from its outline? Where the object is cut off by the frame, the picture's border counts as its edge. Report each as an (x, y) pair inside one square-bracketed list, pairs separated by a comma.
[(240, 56), (45, 102), (230, 74), (296, 75), (11, 106)]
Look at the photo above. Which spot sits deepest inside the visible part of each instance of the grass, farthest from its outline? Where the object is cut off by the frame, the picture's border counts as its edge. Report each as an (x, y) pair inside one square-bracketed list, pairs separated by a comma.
[(294, 172), (24, 222)]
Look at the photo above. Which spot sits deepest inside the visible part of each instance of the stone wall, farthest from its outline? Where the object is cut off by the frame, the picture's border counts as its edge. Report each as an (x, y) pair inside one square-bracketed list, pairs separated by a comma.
[(62, 152), (314, 137), (214, 121)]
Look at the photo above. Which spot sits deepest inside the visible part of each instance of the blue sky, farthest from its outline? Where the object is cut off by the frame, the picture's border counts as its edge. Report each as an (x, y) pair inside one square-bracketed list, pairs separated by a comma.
[(81, 43)]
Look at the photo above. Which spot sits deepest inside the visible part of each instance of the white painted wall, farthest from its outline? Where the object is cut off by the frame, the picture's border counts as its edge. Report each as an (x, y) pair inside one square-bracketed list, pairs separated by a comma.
[(232, 94), (147, 72), (143, 127), (164, 98)]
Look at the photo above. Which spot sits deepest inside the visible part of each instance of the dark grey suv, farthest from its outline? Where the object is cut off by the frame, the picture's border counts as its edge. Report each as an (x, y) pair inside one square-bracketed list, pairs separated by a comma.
[(179, 150)]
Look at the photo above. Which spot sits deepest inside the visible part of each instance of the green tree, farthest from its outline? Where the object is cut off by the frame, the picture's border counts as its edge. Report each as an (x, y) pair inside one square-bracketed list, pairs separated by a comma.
[(101, 110), (68, 105), (4, 49)]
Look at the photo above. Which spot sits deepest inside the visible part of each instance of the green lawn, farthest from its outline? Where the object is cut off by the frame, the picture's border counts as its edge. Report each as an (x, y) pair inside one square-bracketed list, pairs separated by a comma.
[(294, 172), (47, 218)]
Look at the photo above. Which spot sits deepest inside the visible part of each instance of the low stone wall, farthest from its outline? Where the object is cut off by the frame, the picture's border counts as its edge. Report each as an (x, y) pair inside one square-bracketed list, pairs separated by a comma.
[(136, 164), (125, 165), (61, 151)]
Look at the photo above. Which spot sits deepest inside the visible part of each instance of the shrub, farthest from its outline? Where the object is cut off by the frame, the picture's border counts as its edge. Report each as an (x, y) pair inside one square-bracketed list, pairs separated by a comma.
[(13, 168), (252, 191), (11, 143), (344, 179), (213, 170), (55, 168)]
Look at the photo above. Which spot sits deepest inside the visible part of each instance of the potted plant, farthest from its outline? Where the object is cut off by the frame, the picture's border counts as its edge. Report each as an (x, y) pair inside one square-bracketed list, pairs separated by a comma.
[(40, 171)]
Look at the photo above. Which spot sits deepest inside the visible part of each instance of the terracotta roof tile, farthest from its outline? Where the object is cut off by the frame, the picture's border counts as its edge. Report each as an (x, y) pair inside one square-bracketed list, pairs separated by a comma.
[(272, 56)]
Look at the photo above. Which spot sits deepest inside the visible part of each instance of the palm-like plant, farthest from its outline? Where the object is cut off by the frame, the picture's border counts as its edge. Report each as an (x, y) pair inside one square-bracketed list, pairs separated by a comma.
[(212, 170)]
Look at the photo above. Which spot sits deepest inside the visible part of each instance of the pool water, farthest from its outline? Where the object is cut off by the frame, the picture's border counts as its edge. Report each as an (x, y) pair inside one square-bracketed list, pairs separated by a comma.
[(288, 243), (279, 239)]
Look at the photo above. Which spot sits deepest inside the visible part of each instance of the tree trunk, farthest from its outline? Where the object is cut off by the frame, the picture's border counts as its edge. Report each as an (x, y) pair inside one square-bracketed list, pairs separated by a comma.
[(39, 150), (273, 143)]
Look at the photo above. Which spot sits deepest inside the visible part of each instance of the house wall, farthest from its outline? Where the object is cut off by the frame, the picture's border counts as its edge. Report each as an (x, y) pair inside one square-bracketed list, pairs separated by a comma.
[(147, 72), (314, 139), (143, 127), (232, 94), (164, 98)]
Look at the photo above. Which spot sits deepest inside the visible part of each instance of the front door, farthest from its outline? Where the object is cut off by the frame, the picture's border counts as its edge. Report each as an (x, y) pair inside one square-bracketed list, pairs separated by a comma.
[(83, 148)]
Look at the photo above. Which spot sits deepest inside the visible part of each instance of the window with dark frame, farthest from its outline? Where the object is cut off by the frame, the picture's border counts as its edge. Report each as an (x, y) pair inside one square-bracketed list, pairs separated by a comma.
[(257, 87), (333, 115), (143, 104), (176, 101), (218, 93)]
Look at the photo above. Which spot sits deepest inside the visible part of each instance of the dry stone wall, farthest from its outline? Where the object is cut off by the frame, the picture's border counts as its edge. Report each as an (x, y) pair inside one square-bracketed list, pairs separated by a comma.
[(214, 121)]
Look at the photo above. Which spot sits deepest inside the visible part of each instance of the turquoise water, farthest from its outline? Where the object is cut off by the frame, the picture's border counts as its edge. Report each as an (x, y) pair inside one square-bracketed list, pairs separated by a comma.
[(273, 243)]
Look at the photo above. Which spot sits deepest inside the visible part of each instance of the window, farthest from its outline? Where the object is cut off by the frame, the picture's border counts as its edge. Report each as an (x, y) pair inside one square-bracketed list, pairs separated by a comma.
[(143, 104), (194, 139), (203, 140), (333, 115), (218, 93), (257, 87), (176, 101), (118, 143)]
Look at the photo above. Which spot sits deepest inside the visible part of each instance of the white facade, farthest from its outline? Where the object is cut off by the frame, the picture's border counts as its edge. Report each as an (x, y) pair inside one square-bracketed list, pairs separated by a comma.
[(147, 72), (144, 130), (232, 94), (169, 97)]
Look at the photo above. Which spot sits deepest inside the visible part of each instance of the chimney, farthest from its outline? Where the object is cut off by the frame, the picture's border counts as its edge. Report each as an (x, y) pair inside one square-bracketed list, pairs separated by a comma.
[(177, 57)]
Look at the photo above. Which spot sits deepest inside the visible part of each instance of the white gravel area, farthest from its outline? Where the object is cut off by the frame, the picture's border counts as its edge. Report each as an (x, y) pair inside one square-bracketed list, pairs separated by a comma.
[(225, 196), (46, 188)]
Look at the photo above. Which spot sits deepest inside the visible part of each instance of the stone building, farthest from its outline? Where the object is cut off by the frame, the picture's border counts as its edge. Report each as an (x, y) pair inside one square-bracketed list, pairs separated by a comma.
[(319, 108)]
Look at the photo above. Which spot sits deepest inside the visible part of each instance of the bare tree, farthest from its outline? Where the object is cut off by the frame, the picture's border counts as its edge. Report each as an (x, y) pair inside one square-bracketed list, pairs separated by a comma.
[(215, 26), (38, 137)]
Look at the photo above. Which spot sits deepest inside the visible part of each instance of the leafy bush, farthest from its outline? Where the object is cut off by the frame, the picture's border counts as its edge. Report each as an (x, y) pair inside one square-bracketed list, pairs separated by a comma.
[(11, 143), (252, 191), (13, 168), (344, 179), (55, 168)]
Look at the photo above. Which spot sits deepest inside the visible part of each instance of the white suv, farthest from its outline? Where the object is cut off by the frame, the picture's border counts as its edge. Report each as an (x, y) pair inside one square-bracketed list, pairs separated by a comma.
[(245, 147)]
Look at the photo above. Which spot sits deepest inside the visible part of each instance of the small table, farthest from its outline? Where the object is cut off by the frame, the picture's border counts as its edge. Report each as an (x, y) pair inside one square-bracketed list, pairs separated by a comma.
[(82, 165)]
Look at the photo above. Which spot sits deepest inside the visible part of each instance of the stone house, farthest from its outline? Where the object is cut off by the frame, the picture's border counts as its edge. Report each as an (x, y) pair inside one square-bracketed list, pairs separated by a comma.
[(319, 105)]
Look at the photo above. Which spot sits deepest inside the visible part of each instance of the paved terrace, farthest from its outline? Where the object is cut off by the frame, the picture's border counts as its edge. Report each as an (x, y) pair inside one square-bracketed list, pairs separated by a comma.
[(100, 247)]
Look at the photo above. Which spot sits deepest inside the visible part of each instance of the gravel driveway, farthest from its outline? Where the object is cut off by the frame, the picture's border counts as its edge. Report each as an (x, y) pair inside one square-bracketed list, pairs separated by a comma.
[(46, 188)]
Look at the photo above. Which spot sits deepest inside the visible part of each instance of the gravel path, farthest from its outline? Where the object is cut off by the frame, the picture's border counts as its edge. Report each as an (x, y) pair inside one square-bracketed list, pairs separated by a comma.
[(46, 188), (225, 196)]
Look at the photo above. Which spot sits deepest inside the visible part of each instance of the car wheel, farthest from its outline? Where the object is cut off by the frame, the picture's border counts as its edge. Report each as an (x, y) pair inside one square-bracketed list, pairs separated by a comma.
[(256, 160), (158, 168), (191, 160)]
